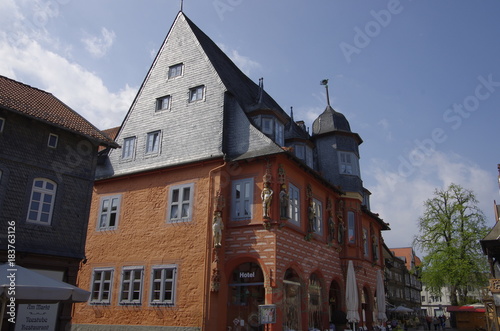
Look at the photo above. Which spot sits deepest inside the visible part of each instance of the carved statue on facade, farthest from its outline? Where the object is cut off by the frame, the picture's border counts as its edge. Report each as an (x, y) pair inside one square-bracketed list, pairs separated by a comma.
[(266, 195), (217, 227)]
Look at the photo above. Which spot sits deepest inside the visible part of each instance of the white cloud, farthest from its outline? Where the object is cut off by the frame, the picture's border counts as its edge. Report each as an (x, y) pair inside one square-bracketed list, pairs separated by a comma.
[(243, 62), (98, 46), (30, 55), (400, 199)]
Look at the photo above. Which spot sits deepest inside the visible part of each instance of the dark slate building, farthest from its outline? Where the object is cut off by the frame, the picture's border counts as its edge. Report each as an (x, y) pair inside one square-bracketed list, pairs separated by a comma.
[(48, 155)]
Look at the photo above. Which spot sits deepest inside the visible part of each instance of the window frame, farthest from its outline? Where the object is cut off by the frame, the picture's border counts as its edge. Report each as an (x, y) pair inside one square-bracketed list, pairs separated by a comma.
[(128, 149), (351, 227), (195, 92), (294, 207), (2, 124), (350, 162), (161, 101), (109, 213), (53, 140), (43, 192), (179, 203), (101, 291), (162, 301), (131, 281), (173, 71), (153, 149), (238, 204)]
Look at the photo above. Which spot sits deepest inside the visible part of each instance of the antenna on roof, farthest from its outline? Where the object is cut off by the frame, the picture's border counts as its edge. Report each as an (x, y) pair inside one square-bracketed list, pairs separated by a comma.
[(261, 90), (325, 82)]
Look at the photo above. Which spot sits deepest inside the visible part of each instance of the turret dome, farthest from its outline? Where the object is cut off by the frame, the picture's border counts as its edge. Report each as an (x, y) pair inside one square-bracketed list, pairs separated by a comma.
[(330, 121)]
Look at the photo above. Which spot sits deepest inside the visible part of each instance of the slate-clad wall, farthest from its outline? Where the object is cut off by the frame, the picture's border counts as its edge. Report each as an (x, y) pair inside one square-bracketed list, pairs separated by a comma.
[(24, 156), (190, 131)]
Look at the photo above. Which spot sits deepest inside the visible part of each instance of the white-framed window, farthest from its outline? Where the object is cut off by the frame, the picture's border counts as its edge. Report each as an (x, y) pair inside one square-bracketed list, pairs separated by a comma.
[(279, 136), (351, 227), (294, 205), (300, 151), (273, 128), (180, 203), (196, 93), (163, 103), (153, 142), (175, 70), (52, 142), (131, 287), (317, 225), (2, 123), (348, 163), (128, 148), (242, 199), (109, 212), (102, 280), (163, 284), (43, 196)]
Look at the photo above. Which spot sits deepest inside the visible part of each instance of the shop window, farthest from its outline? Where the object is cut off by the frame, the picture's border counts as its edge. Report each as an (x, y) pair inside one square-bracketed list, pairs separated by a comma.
[(292, 301), (246, 293), (315, 306)]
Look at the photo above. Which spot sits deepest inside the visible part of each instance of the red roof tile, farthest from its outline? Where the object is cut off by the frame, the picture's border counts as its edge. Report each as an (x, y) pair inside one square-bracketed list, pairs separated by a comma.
[(35, 103)]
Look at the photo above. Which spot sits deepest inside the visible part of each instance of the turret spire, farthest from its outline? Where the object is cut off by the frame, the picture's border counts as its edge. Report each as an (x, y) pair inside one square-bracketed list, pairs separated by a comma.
[(325, 82)]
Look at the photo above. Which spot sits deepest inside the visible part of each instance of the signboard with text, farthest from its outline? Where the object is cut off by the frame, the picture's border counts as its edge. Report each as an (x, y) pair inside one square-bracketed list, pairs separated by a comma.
[(267, 314), (37, 317)]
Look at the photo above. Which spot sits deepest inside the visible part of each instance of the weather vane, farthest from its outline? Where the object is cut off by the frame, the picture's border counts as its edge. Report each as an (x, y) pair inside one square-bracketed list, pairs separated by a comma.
[(325, 82)]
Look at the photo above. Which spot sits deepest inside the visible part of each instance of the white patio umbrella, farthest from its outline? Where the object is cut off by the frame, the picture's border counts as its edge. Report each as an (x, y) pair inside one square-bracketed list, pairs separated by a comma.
[(351, 296), (31, 286), (381, 307)]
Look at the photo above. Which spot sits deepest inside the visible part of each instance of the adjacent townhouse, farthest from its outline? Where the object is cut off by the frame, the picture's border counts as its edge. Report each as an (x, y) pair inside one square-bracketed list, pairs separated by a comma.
[(48, 156)]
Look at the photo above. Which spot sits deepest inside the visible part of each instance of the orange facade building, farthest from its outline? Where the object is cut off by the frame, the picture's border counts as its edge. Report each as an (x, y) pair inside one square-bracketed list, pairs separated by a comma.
[(220, 212)]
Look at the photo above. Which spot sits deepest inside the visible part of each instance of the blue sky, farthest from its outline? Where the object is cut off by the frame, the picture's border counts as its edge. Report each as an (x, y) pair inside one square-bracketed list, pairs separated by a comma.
[(418, 81)]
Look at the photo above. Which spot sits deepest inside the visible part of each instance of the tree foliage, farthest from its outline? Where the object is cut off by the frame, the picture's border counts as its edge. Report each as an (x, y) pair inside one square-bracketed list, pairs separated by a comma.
[(449, 234)]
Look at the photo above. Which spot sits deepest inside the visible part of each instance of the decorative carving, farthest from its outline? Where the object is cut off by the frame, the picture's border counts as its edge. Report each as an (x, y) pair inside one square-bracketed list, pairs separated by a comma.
[(284, 201), (340, 218), (267, 196)]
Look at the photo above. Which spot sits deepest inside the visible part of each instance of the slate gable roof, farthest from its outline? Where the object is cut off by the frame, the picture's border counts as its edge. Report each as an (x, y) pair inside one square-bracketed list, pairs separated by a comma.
[(240, 85), (35, 103)]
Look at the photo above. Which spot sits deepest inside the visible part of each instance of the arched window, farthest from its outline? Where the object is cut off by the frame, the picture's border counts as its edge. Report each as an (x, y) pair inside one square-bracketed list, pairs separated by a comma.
[(292, 301), (42, 201)]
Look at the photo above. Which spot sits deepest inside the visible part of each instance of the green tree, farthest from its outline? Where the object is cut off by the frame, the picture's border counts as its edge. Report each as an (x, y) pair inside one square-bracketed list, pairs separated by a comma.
[(450, 230)]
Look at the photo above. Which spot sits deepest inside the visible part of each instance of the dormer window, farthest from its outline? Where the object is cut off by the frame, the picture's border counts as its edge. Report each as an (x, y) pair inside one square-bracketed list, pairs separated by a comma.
[(196, 93), (348, 164), (272, 128), (304, 153), (175, 71)]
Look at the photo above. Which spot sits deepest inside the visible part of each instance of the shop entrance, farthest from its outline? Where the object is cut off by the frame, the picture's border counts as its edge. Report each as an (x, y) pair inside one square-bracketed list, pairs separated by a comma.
[(246, 293)]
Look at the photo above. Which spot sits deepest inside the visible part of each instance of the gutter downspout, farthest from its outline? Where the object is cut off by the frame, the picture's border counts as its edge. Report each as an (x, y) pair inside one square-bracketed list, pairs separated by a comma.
[(208, 260)]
